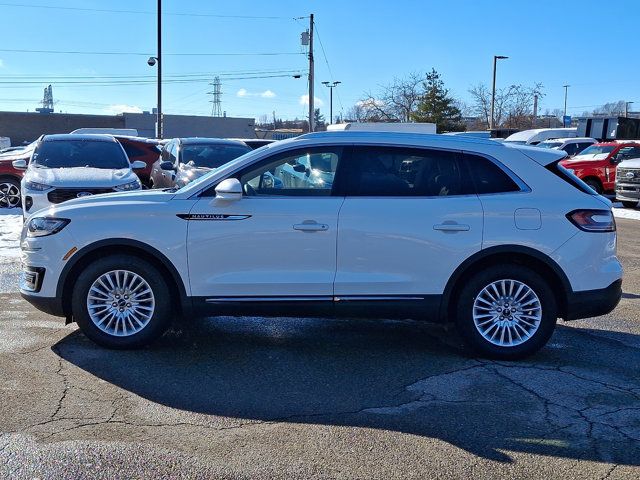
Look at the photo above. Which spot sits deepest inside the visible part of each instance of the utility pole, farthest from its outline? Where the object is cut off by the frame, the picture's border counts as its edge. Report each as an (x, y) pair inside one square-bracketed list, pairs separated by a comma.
[(564, 117), (216, 108), (331, 86), (159, 112), (311, 105), (535, 110), (493, 90)]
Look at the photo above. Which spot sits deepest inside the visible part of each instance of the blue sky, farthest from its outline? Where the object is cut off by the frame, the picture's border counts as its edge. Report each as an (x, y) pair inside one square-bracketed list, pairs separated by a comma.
[(591, 45)]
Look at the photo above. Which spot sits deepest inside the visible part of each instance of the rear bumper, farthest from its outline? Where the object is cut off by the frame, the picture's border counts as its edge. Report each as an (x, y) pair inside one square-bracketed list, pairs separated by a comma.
[(591, 303)]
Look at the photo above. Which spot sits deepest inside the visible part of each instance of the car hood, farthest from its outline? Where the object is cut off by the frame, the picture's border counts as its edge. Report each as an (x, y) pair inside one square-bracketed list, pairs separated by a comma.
[(590, 158), (633, 163), (136, 196), (80, 177)]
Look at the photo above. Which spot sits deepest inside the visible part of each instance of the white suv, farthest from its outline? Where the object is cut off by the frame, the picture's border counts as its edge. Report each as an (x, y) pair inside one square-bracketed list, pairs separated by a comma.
[(499, 239), (69, 166)]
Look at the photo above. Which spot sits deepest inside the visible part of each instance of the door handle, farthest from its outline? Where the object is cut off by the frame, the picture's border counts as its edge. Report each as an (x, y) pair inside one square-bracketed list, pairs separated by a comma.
[(311, 227), (452, 227)]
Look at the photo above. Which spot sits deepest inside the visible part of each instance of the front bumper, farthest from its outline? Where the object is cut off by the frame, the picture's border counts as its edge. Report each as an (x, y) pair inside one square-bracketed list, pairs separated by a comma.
[(628, 192), (592, 303), (51, 305)]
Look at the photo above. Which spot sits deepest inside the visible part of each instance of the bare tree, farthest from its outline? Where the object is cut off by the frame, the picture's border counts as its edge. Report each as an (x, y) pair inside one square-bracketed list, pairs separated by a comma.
[(396, 102), (513, 105)]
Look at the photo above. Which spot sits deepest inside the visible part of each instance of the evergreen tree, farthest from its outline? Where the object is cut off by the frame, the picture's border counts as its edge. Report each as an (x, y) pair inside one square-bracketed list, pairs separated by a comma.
[(437, 106)]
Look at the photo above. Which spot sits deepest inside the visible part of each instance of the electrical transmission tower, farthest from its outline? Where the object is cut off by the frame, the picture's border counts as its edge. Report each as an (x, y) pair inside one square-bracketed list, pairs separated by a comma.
[(216, 109), (47, 101)]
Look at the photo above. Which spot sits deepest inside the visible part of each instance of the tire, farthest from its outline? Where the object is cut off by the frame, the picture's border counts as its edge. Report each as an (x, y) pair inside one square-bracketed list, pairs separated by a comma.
[(9, 193), (630, 204), (474, 313), (594, 184), (97, 316)]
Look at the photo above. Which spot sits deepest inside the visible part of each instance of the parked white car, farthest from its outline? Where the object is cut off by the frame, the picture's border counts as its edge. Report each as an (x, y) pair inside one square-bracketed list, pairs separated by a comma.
[(572, 145), (537, 135), (499, 240), (69, 166)]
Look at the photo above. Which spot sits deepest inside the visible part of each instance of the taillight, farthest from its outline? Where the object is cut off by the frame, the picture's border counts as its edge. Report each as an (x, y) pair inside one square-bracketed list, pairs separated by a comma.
[(593, 220)]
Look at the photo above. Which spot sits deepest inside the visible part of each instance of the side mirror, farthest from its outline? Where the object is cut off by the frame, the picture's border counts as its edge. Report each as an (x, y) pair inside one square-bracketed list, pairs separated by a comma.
[(229, 189), (166, 165), (19, 164), (138, 165)]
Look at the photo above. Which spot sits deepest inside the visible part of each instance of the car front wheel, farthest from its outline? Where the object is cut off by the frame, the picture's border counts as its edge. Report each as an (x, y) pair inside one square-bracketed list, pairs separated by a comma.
[(121, 301), (506, 312), (9, 193)]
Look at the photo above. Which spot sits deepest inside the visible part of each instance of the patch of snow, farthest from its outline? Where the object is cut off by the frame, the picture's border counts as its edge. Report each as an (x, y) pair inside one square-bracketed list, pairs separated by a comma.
[(631, 213), (10, 228)]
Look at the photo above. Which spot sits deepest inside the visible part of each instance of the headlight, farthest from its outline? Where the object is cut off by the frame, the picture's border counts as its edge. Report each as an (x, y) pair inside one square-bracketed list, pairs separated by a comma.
[(43, 226), (135, 185), (37, 186)]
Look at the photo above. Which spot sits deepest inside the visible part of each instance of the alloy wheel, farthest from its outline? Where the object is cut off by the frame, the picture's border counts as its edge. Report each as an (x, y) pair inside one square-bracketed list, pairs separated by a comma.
[(9, 195), (120, 303), (507, 313)]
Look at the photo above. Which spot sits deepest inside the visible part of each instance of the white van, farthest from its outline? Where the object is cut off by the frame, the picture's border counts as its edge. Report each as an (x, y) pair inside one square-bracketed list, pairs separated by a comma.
[(383, 127), (537, 135)]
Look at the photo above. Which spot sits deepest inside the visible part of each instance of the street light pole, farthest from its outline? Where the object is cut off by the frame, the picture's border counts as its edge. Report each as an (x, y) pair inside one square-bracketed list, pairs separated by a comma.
[(159, 129), (493, 90), (331, 86), (626, 109), (566, 89)]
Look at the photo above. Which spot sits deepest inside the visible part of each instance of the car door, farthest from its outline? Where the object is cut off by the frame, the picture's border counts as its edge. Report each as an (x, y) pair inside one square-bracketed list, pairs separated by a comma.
[(278, 242), (409, 219)]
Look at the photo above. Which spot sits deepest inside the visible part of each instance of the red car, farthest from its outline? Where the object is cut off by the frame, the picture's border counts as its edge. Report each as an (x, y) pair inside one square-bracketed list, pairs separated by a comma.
[(596, 165), (10, 177), (144, 149)]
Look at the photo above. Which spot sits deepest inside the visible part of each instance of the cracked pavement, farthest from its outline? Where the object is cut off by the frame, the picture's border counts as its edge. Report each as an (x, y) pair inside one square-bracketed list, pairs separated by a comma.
[(307, 398)]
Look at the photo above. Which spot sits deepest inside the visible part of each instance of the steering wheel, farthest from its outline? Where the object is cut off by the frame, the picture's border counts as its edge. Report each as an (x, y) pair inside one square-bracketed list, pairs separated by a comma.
[(249, 190)]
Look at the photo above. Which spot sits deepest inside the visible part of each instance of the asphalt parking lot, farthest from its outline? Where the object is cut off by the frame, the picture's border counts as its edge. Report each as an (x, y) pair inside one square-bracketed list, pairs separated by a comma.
[(305, 398)]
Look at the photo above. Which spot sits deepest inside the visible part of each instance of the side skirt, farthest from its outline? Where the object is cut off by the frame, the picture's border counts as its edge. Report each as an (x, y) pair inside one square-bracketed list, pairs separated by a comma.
[(422, 307)]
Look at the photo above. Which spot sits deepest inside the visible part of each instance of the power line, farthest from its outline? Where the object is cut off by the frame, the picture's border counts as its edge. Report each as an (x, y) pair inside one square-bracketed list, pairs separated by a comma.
[(146, 12), (143, 54), (324, 54), (45, 77)]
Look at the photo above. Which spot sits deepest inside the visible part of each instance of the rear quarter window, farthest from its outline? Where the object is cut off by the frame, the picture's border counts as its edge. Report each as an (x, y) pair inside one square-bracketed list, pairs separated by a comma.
[(488, 177)]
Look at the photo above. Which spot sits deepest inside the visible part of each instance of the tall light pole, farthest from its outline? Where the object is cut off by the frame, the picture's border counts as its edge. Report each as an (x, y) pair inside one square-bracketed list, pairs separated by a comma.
[(626, 108), (312, 112), (331, 86), (158, 61), (564, 117), (493, 90)]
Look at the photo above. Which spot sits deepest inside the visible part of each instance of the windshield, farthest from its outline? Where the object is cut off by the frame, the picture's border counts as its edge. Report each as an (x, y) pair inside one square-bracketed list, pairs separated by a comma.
[(211, 156), (549, 144), (80, 153), (597, 150)]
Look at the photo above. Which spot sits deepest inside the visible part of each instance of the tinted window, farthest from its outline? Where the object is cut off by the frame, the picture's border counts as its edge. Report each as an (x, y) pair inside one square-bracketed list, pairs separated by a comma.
[(582, 146), (303, 172), (489, 177), (571, 148), (397, 171), (211, 156), (80, 153)]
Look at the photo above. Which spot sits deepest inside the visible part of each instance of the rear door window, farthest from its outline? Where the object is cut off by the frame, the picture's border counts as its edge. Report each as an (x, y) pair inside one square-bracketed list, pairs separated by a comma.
[(403, 172)]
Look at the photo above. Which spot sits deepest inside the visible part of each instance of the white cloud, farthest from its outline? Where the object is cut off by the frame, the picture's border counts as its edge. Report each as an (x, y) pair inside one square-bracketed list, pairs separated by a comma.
[(304, 100), (243, 93), (122, 108)]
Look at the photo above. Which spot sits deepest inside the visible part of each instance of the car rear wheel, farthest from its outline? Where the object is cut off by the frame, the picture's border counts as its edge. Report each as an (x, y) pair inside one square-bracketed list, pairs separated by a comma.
[(630, 204), (121, 301), (9, 193), (506, 312)]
